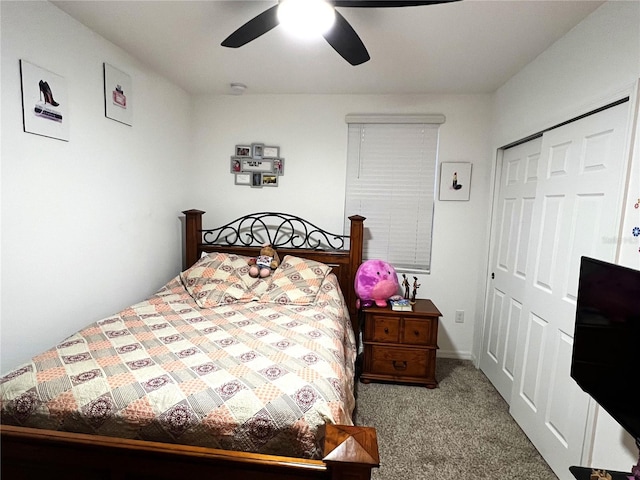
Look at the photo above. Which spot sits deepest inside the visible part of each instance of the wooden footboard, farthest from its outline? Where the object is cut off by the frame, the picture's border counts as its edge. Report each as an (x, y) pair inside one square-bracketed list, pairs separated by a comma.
[(27, 453)]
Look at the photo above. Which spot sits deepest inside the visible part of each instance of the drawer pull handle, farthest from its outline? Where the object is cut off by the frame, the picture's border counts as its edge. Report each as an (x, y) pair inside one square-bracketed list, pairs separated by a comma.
[(416, 333), (398, 365), (386, 330)]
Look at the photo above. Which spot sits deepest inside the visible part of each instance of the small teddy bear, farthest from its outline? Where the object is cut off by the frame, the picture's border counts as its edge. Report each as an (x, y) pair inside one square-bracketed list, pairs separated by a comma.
[(263, 264)]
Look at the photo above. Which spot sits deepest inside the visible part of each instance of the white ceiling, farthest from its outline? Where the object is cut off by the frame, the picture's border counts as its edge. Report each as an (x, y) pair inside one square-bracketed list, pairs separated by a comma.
[(472, 46)]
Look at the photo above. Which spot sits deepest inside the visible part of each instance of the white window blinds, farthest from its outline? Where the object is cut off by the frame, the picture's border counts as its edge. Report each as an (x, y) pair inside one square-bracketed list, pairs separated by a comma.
[(391, 175)]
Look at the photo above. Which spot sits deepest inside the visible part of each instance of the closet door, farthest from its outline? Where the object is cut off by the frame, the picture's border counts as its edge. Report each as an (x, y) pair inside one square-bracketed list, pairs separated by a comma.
[(577, 211), (516, 192)]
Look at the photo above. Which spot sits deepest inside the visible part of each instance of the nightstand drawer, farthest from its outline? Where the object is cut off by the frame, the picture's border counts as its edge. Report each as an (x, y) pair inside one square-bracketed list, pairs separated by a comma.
[(384, 329), (417, 332), (398, 361)]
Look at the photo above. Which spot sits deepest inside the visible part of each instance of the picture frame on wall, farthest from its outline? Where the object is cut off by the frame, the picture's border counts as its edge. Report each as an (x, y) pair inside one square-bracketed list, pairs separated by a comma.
[(243, 150), (269, 180), (256, 180), (235, 165), (118, 97), (243, 179), (455, 181), (264, 165), (257, 150), (278, 166), (44, 102), (256, 158), (271, 152)]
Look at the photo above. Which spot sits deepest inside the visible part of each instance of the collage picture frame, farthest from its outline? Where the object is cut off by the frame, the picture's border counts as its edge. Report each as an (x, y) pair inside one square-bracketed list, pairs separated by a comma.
[(257, 165)]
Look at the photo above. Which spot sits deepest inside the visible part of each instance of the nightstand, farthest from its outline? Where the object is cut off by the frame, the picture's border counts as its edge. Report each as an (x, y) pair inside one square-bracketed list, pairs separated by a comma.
[(401, 346)]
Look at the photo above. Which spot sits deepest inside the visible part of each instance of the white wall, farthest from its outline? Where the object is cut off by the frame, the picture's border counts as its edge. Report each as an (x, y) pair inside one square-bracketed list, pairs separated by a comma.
[(312, 135), (595, 63), (78, 217)]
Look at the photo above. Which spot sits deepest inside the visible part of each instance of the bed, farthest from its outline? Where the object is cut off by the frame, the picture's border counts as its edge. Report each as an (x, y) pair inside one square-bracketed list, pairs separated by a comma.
[(217, 373)]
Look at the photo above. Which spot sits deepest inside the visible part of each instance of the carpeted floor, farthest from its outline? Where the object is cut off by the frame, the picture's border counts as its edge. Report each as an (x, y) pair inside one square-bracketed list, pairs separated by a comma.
[(460, 430)]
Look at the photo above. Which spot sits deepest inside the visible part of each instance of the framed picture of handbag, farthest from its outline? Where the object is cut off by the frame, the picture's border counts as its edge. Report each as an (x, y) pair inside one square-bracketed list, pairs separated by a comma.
[(117, 95), (45, 109)]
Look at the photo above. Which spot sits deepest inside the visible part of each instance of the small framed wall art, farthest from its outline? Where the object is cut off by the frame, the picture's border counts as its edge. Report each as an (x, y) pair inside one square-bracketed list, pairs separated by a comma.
[(257, 165), (269, 180), (278, 166), (44, 102), (455, 181), (117, 95), (243, 179), (236, 164), (257, 150), (256, 179), (243, 150), (270, 152)]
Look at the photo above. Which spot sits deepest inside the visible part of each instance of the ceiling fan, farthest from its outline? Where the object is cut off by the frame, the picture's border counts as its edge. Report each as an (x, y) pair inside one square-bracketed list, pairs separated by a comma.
[(341, 36)]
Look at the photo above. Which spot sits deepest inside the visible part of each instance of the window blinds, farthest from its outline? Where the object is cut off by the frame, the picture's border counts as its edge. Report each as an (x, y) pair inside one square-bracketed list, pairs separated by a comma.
[(391, 175)]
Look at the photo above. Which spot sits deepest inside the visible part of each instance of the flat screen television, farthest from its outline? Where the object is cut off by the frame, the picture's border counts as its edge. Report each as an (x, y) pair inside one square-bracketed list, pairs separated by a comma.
[(606, 345)]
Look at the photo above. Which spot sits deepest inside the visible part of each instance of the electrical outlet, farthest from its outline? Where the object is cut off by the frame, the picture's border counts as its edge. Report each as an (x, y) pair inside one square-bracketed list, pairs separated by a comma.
[(459, 316)]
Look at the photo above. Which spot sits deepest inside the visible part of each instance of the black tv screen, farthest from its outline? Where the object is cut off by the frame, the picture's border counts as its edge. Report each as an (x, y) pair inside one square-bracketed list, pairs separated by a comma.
[(606, 344)]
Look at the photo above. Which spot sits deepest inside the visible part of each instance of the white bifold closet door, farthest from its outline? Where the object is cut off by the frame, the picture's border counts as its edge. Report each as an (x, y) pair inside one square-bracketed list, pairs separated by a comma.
[(559, 197), (518, 178)]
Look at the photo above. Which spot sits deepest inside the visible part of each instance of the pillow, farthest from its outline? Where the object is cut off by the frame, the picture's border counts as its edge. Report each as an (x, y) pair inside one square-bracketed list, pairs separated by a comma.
[(296, 281), (254, 286), (213, 280)]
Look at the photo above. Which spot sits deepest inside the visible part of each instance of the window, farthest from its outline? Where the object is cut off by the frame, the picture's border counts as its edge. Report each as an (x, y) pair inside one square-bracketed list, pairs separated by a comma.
[(391, 178)]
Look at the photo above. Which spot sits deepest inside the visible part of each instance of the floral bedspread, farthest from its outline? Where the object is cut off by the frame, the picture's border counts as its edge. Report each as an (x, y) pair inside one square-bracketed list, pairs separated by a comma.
[(258, 377)]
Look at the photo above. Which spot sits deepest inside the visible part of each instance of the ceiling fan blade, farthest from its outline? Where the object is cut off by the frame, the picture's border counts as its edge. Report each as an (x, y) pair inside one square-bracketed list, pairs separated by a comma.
[(344, 40), (387, 3), (253, 28)]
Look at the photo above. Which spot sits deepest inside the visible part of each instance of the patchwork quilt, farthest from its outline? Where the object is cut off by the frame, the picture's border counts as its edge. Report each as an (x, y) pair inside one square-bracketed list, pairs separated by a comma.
[(257, 374)]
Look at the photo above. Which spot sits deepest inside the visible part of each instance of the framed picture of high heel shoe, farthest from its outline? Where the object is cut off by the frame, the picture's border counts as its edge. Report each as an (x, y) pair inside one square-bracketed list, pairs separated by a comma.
[(44, 102), (117, 95)]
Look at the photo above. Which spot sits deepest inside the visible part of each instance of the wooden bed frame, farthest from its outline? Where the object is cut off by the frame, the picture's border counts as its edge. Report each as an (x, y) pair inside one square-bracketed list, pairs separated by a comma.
[(350, 452)]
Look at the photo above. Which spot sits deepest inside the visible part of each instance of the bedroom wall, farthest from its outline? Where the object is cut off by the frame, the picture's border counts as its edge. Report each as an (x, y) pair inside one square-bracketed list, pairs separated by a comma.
[(312, 134), (78, 217), (594, 64)]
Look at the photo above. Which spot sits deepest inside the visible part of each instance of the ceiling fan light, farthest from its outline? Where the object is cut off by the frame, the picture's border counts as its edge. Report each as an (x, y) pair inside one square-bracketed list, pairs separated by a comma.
[(306, 18)]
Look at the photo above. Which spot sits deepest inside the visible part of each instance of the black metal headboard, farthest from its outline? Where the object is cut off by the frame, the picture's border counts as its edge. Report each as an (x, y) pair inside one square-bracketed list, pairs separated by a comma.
[(281, 230)]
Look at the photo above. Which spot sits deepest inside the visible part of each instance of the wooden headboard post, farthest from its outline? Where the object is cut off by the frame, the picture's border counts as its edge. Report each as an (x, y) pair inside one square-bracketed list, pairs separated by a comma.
[(356, 238), (193, 236)]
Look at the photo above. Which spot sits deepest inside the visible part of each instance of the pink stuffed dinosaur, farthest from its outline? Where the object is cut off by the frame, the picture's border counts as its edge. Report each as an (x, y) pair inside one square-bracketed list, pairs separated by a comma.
[(376, 281)]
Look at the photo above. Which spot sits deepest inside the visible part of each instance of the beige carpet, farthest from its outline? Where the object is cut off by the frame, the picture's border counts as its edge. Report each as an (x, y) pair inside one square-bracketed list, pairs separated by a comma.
[(459, 431)]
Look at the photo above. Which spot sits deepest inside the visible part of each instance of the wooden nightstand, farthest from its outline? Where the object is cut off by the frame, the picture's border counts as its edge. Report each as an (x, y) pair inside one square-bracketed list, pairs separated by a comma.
[(401, 346)]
